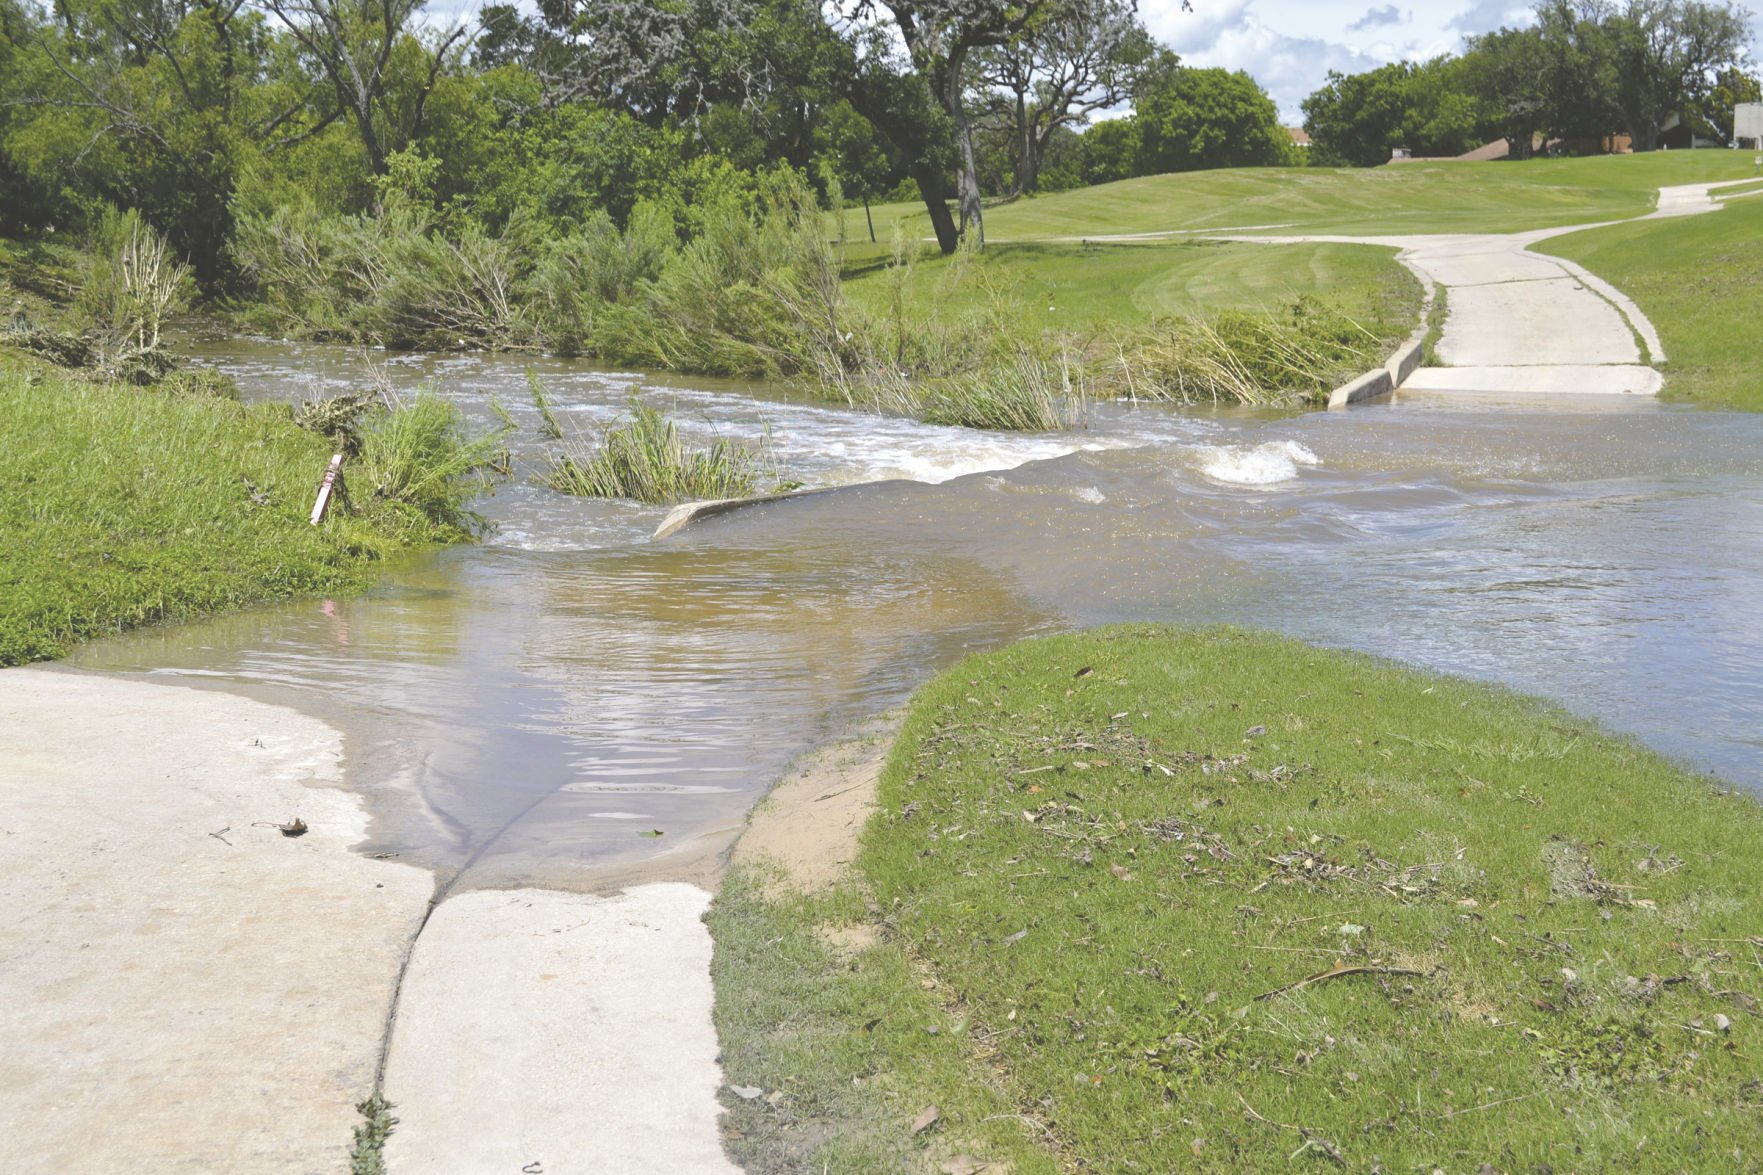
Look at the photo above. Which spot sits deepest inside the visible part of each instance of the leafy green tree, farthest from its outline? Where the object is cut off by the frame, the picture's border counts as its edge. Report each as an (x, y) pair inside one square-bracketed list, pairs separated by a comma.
[(940, 37), (1713, 115), (23, 203), (1669, 54), (144, 104), (1508, 69), (848, 148), (1190, 119), (1110, 151), (1078, 57), (1430, 109), (379, 73)]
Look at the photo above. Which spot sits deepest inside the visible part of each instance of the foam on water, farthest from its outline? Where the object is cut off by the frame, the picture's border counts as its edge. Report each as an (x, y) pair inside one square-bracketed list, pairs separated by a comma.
[(1266, 464)]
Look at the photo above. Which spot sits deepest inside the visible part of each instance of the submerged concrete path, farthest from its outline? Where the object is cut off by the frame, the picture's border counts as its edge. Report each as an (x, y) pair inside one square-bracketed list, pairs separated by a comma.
[(185, 988), (1522, 322)]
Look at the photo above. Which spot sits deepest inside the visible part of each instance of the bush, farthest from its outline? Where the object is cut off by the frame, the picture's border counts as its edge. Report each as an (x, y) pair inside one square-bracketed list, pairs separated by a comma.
[(129, 286)]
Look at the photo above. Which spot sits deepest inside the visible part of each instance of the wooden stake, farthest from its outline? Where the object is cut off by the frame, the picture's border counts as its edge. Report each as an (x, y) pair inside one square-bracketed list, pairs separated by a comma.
[(325, 487)]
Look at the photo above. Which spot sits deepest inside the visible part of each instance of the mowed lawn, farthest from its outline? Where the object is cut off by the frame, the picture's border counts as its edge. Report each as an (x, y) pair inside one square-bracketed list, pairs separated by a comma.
[(1094, 287), (1148, 899), (1403, 198)]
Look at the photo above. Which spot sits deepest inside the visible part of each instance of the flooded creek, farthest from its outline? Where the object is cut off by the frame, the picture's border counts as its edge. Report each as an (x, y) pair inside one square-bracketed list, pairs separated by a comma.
[(527, 708)]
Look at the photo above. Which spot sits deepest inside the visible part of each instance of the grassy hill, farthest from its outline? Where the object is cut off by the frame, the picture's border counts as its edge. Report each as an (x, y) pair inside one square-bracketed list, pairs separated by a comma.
[(1406, 198)]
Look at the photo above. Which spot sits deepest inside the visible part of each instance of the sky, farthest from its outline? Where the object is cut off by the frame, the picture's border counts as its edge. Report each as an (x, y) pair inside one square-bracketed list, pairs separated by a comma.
[(1290, 45)]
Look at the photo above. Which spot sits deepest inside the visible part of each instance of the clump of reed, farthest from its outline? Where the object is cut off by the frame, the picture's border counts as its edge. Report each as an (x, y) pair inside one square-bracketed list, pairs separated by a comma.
[(1019, 392), (417, 462), (549, 426), (645, 459)]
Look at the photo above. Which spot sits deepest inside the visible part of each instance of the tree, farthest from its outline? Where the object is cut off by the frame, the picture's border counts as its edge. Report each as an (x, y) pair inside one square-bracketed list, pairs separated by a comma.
[(353, 43), (1668, 56), (1430, 109), (1190, 119), (1110, 151), (847, 149), (940, 37), (142, 104), (1079, 57), (1509, 70), (1713, 115), (23, 203), (1356, 119)]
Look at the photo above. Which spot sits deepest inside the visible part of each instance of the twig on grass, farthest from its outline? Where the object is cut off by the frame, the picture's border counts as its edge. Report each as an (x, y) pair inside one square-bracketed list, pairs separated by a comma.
[(1312, 1140), (1336, 973)]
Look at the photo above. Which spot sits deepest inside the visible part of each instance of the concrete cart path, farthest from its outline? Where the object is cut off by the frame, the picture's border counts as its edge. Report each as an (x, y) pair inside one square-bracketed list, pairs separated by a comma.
[(184, 988), (559, 1032), (1523, 322)]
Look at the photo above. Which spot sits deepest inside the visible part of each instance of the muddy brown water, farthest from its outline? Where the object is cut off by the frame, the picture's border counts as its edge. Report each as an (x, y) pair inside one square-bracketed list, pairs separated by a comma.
[(524, 710)]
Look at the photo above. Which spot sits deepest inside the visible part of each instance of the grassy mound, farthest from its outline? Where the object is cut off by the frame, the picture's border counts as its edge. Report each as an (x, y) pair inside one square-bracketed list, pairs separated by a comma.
[(1444, 197), (124, 506), (1220, 901)]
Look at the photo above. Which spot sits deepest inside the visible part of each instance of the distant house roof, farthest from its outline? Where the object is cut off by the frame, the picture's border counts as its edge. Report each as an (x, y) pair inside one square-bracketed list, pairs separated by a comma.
[(1300, 136)]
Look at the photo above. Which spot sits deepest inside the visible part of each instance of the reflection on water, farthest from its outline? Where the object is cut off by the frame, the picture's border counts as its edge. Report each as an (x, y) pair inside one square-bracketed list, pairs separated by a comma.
[(531, 705)]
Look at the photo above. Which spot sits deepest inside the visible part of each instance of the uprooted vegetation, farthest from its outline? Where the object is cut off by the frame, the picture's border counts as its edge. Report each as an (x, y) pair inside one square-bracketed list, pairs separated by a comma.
[(103, 309), (745, 283), (1219, 901)]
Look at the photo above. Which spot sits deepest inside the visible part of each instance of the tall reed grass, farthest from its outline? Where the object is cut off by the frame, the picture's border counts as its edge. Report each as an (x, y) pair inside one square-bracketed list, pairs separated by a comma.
[(1257, 358), (646, 460)]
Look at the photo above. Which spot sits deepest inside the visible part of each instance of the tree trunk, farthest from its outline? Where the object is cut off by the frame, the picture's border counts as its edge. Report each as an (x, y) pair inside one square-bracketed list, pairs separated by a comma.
[(968, 178), (935, 190), (1025, 147)]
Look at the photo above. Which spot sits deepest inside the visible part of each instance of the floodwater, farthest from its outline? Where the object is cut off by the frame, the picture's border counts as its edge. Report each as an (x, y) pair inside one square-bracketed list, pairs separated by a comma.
[(532, 709)]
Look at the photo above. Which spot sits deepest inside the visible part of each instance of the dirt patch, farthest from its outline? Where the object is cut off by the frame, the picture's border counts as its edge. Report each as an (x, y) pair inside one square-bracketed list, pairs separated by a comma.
[(848, 941), (807, 828)]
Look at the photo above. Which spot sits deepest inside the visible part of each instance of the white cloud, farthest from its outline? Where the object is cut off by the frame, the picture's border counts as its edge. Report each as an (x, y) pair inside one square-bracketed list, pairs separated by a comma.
[(1375, 18)]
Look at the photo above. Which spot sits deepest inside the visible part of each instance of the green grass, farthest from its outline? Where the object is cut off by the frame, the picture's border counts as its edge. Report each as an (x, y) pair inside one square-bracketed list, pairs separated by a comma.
[(841, 1049), (125, 506), (1409, 198), (1085, 288), (1123, 860), (1700, 280)]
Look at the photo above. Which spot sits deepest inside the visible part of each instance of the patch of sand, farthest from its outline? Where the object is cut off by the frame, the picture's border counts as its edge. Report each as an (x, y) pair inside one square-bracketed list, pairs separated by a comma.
[(807, 828)]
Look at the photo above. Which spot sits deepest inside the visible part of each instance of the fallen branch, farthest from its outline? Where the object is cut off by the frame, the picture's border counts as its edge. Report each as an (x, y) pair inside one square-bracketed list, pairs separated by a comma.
[(1336, 973)]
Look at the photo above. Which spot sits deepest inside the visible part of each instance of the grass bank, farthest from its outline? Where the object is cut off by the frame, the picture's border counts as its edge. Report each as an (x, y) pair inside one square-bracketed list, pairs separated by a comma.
[(1700, 280), (125, 506), (1143, 900)]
